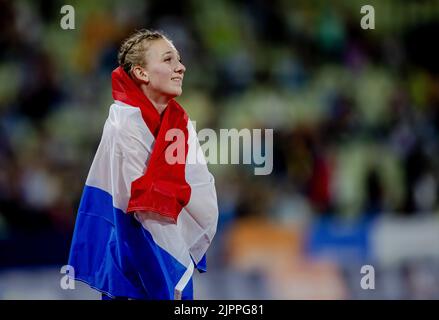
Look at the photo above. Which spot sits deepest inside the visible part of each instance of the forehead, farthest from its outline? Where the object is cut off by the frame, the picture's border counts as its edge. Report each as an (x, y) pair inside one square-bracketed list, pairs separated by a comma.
[(160, 47)]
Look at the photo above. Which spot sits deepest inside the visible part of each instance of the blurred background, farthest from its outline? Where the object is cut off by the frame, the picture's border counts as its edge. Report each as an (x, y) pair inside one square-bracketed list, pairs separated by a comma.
[(355, 115)]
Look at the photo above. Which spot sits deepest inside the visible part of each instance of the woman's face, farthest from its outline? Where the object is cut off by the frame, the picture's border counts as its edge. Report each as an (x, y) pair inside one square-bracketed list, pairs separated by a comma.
[(164, 69)]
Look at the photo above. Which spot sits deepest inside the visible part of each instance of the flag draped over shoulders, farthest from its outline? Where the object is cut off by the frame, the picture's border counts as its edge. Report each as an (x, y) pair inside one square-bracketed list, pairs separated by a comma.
[(143, 223)]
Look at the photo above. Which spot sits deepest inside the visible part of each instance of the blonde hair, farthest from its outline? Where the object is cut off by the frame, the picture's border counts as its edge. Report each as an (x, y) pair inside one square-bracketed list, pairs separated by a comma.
[(133, 49)]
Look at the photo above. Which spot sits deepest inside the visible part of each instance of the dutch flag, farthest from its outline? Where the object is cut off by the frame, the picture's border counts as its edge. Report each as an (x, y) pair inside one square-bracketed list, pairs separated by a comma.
[(143, 224)]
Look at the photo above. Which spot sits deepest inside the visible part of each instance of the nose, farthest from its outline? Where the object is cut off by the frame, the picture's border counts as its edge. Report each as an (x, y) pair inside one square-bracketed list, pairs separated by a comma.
[(180, 68)]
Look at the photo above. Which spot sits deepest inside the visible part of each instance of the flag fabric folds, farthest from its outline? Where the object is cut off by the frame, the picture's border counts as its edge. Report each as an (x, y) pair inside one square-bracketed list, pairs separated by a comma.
[(143, 224)]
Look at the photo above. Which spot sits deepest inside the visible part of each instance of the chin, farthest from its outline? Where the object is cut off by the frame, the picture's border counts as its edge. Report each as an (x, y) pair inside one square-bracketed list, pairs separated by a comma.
[(173, 92), (178, 93)]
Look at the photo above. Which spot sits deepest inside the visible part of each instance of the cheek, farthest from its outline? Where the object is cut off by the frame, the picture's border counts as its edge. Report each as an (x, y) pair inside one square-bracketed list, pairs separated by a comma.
[(160, 74), (160, 80)]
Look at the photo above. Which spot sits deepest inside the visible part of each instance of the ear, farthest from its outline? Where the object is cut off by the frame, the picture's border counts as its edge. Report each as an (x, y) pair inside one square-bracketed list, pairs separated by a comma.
[(139, 74)]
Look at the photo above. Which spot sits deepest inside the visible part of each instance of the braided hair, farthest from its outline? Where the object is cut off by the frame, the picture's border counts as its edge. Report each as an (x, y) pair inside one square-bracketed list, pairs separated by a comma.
[(132, 51)]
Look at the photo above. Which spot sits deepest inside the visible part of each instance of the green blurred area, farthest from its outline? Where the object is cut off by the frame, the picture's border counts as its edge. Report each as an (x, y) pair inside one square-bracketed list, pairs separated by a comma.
[(355, 112)]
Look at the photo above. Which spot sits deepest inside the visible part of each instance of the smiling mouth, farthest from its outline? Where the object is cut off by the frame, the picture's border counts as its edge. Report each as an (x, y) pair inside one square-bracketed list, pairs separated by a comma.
[(178, 81)]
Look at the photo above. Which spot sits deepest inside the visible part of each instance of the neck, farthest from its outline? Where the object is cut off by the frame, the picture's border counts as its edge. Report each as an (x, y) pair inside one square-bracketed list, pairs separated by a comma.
[(158, 101)]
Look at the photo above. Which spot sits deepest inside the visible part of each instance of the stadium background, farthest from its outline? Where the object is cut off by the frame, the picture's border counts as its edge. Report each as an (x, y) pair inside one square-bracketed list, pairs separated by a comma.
[(355, 115)]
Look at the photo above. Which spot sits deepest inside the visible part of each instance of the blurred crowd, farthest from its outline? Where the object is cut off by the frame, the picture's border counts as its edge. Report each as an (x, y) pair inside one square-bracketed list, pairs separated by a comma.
[(355, 112)]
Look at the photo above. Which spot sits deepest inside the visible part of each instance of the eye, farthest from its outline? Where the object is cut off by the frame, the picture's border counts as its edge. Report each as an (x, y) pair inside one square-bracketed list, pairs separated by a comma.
[(168, 59)]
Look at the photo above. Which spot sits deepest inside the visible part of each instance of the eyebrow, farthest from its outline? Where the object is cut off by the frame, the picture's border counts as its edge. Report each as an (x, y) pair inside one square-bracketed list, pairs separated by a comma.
[(178, 53)]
